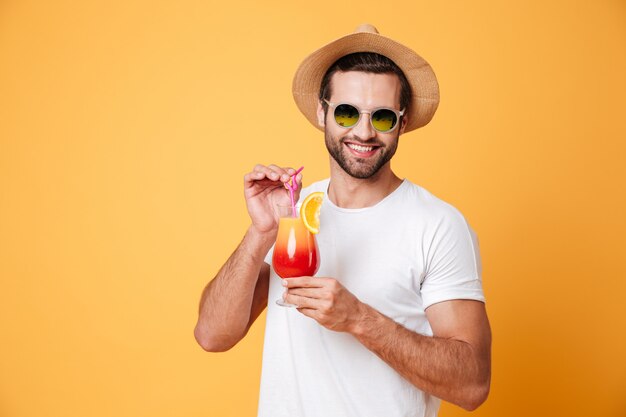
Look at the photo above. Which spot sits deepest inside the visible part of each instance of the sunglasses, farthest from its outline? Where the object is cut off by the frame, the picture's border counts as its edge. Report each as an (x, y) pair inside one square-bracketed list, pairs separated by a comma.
[(382, 119)]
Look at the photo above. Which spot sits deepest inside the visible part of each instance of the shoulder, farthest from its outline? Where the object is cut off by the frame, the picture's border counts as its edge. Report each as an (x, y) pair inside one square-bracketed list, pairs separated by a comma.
[(427, 204), (435, 218)]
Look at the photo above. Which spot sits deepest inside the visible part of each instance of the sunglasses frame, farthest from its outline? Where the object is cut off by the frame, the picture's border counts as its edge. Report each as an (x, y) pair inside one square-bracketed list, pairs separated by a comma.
[(398, 114)]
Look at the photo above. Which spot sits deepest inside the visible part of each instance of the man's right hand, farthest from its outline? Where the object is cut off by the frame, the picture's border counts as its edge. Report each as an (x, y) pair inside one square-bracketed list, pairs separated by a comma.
[(264, 188)]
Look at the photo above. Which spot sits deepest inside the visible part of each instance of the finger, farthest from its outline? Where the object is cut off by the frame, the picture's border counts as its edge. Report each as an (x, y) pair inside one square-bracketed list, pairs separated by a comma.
[(286, 173), (303, 282), (260, 171), (282, 173), (259, 178), (302, 302), (297, 182), (267, 172), (253, 176), (317, 293), (260, 168)]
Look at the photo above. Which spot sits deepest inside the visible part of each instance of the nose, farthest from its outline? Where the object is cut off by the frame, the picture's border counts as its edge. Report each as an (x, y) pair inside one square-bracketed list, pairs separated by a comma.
[(364, 129)]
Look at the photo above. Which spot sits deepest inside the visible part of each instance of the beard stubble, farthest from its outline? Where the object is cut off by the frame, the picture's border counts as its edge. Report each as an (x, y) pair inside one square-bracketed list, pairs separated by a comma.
[(362, 168)]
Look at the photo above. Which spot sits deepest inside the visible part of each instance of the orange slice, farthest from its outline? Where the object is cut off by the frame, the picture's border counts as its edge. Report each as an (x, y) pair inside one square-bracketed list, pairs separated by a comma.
[(310, 211)]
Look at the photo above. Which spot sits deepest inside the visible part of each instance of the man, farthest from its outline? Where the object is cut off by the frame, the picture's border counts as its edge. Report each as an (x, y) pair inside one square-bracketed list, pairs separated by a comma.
[(394, 320)]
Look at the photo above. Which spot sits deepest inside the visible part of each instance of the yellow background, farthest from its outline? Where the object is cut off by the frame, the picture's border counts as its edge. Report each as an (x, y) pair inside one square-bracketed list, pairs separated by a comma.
[(126, 128)]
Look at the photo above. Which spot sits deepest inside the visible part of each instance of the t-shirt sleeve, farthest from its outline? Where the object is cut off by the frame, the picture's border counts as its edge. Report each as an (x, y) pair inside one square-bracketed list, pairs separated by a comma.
[(453, 268)]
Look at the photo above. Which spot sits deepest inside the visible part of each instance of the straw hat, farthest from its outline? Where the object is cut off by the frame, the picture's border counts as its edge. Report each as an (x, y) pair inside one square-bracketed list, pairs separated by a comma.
[(424, 86)]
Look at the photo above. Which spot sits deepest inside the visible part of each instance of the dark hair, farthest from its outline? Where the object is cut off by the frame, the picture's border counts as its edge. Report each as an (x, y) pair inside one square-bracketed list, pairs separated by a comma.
[(365, 62)]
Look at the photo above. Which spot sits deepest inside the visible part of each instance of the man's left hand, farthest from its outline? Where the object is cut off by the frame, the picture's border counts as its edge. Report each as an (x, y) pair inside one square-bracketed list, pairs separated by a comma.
[(324, 300)]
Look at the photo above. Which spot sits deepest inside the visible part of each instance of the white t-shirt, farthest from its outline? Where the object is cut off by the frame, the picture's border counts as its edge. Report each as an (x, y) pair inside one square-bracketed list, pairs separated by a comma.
[(405, 253)]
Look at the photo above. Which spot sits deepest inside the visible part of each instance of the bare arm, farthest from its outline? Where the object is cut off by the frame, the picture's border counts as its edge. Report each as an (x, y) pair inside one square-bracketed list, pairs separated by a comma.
[(233, 300), (237, 295), (454, 364)]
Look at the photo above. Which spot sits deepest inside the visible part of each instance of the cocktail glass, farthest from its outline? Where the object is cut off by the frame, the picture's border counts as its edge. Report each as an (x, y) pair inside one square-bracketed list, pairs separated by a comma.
[(295, 253)]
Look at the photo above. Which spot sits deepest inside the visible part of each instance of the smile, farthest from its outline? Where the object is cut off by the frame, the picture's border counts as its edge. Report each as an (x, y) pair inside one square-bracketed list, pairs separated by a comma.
[(360, 150)]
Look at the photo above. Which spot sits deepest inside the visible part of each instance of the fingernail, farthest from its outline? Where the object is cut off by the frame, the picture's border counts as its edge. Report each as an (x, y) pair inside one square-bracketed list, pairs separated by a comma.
[(284, 283)]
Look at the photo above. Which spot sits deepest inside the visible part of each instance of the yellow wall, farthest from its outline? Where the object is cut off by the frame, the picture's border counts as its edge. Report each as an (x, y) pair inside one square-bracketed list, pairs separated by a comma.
[(126, 128)]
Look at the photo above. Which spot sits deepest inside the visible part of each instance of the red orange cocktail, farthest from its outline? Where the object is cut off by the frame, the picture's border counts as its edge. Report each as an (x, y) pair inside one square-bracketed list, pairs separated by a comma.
[(295, 253)]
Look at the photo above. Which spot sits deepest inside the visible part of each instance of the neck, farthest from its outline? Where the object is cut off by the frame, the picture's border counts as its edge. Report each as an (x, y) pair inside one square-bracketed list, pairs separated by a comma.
[(349, 192)]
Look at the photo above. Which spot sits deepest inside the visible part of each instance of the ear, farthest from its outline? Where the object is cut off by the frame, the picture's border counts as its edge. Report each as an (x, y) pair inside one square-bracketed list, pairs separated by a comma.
[(321, 119), (403, 124)]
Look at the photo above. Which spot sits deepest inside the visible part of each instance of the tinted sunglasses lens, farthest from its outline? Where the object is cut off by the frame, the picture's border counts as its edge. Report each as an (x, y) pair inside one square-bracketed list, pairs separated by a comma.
[(346, 115), (384, 120)]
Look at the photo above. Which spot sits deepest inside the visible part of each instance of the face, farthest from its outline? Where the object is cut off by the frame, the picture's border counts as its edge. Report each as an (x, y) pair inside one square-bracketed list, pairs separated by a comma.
[(361, 151)]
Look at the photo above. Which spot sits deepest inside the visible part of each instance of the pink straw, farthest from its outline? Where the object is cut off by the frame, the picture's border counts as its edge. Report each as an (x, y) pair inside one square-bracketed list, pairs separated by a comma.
[(292, 188)]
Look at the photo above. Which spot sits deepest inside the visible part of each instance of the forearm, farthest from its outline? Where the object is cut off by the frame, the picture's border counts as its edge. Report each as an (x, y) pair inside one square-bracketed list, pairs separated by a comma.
[(226, 301), (446, 368)]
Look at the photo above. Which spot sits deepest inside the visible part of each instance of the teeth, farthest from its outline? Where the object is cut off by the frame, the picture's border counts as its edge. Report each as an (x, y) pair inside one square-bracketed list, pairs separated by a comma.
[(360, 148)]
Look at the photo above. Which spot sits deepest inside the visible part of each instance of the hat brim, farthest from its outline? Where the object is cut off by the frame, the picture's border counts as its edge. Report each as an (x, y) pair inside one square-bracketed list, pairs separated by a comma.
[(425, 88)]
